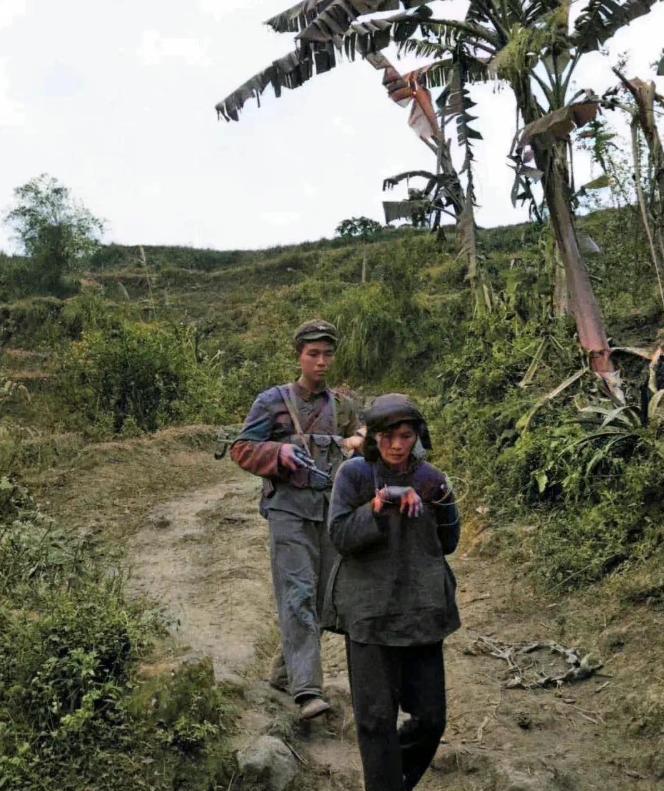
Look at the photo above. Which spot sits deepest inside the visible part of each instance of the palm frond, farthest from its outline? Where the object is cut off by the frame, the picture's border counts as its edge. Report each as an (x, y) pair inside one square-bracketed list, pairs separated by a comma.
[(405, 209), (336, 17), (600, 19), (298, 17), (290, 71)]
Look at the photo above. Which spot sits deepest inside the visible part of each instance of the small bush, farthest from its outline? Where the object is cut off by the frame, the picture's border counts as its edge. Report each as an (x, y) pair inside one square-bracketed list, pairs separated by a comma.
[(73, 712), (138, 375)]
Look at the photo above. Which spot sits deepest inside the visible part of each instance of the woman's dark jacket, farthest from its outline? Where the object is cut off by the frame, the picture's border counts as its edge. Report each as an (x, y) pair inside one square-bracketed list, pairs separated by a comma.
[(392, 584)]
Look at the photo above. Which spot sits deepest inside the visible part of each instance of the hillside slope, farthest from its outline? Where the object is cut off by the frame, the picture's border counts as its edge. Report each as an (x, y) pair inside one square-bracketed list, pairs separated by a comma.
[(108, 399)]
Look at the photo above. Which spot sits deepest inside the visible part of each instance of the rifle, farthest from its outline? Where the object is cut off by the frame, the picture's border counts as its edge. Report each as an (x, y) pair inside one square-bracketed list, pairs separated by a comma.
[(227, 435)]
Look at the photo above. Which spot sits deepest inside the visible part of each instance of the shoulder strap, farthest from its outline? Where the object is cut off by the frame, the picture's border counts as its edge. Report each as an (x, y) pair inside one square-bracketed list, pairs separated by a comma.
[(286, 395), (333, 408)]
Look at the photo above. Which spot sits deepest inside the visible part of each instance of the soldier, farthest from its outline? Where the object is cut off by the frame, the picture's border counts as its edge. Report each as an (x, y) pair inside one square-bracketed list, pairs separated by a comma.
[(287, 427)]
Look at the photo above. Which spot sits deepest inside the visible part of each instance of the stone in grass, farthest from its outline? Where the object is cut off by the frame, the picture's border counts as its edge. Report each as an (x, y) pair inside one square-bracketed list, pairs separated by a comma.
[(268, 761)]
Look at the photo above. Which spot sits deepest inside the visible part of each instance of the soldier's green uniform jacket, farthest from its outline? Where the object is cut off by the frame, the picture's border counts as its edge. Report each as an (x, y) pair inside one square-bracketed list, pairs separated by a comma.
[(325, 418)]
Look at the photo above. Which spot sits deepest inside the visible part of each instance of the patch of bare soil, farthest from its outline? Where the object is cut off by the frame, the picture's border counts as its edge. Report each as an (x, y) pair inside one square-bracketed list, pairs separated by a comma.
[(196, 544), (203, 556)]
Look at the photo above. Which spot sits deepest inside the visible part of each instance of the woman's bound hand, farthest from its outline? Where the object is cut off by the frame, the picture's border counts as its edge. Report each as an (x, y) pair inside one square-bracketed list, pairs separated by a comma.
[(406, 497), (411, 503)]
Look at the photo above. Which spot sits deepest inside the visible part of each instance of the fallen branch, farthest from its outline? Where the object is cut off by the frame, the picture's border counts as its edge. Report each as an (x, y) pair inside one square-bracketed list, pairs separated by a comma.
[(531, 677)]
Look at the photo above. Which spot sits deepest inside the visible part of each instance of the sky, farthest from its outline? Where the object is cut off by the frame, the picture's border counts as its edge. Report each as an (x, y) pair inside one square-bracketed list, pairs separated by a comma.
[(115, 99)]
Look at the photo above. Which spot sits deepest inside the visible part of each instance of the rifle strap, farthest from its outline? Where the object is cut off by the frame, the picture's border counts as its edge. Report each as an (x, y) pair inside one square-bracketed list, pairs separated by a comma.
[(286, 395)]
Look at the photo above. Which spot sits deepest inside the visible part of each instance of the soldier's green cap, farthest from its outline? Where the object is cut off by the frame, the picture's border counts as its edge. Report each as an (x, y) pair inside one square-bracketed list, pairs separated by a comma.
[(315, 330)]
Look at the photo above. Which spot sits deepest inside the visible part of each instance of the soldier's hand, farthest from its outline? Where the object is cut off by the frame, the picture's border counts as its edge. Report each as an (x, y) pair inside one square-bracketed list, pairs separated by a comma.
[(287, 457), (355, 442)]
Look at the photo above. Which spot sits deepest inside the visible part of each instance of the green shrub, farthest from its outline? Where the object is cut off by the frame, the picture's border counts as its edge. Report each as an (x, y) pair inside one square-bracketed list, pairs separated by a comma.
[(73, 711), (142, 375)]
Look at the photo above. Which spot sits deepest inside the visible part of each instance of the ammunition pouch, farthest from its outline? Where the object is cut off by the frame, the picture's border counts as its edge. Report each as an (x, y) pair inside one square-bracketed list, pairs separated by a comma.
[(326, 451)]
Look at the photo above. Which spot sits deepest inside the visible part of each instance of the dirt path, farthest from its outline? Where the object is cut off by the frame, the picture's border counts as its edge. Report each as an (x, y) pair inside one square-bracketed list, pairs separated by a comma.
[(204, 556)]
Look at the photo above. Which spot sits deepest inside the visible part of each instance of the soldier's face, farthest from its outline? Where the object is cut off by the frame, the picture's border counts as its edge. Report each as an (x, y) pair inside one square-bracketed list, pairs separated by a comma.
[(315, 360)]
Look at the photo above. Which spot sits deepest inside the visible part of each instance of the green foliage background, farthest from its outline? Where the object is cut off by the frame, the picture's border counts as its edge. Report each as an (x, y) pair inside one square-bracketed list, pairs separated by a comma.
[(193, 336)]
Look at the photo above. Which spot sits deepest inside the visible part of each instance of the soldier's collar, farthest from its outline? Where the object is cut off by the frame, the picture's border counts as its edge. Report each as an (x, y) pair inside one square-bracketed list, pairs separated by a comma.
[(305, 394)]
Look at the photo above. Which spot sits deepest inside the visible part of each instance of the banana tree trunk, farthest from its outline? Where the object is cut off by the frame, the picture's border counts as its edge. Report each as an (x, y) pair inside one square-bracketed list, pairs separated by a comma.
[(561, 305), (584, 305), (464, 211), (647, 217), (552, 161), (644, 95)]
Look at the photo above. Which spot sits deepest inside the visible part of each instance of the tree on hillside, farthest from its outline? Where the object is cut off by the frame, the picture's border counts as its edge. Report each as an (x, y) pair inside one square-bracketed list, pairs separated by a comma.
[(358, 228), (362, 229), (56, 231)]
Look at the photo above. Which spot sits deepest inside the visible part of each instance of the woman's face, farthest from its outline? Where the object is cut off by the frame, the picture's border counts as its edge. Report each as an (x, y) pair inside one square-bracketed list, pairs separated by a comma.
[(396, 444)]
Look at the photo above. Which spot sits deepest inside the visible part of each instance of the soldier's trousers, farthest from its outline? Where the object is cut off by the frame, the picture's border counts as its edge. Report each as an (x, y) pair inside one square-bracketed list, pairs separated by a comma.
[(302, 557), (383, 679)]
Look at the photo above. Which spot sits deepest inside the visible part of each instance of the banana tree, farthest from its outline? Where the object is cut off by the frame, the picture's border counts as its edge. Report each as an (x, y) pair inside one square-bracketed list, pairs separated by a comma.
[(328, 30), (642, 112), (532, 47), (528, 44)]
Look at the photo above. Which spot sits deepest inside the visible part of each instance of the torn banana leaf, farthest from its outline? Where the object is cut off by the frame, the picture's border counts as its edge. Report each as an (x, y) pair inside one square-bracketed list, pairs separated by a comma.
[(557, 125), (524, 422), (404, 209), (364, 39), (335, 18), (587, 245), (600, 19), (596, 184), (290, 71), (298, 17), (392, 181)]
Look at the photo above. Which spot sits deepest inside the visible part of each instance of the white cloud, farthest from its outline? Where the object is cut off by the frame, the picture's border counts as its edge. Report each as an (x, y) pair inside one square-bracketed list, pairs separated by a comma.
[(222, 8), (279, 219), (11, 111), (155, 49), (10, 10), (344, 126)]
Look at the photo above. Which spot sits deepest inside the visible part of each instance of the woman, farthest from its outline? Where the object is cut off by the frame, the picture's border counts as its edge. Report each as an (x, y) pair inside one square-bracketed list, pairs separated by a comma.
[(393, 519)]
